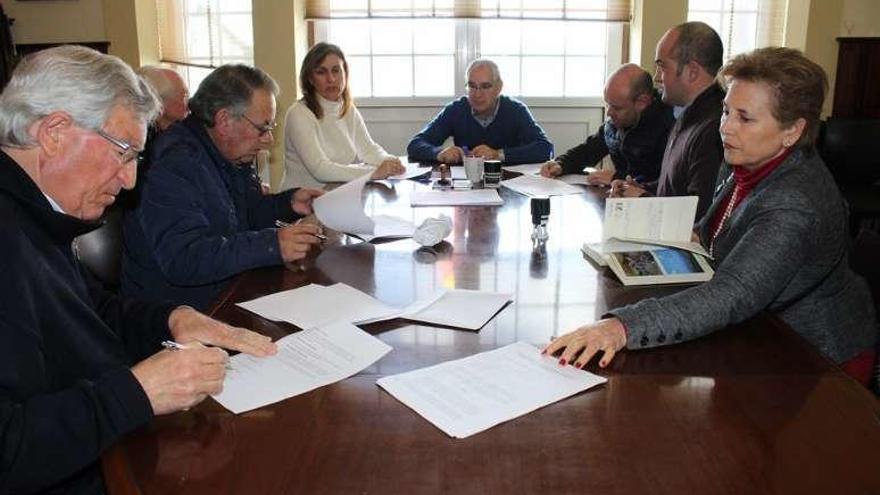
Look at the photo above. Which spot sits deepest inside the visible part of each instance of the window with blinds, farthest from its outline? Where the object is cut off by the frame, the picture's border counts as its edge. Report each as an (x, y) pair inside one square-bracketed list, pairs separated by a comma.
[(420, 48), (196, 36), (742, 24)]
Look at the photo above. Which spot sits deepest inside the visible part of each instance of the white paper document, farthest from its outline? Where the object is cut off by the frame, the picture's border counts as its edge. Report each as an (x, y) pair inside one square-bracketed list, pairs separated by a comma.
[(574, 179), (305, 361), (473, 197), (470, 395), (342, 209), (534, 185), (527, 168), (313, 305), (470, 309), (650, 219), (413, 170)]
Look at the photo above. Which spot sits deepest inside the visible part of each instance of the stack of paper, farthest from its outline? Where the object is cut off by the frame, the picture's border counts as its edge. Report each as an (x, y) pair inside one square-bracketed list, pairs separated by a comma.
[(342, 209), (534, 185), (305, 361), (527, 168), (473, 394), (474, 197)]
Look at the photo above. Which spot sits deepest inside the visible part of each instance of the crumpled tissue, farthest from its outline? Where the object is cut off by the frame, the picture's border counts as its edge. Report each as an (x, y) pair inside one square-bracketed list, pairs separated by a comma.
[(433, 230)]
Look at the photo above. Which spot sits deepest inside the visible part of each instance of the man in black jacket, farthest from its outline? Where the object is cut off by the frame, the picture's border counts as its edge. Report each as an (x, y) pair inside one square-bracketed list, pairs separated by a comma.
[(80, 367), (634, 134)]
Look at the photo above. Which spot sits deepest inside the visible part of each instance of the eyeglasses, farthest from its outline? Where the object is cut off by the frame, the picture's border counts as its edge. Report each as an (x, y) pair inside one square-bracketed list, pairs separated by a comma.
[(262, 129), (129, 152), (486, 86)]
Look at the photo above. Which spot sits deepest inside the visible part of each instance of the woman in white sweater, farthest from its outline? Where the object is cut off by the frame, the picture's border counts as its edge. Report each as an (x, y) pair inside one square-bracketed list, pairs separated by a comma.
[(325, 139)]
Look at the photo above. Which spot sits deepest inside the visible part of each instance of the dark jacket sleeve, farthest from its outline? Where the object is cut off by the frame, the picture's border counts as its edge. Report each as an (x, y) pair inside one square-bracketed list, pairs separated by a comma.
[(427, 144), (49, 437), (536, 147), (190, 249), (585, 154), (264, 209), (141, 325)]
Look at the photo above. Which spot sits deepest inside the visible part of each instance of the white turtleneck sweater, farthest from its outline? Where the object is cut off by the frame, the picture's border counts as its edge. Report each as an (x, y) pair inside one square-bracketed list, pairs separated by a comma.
[(330, 149)]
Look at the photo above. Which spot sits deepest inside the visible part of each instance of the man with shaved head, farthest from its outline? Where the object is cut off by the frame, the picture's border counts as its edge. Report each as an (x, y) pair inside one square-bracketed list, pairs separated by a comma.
[(634, 134)]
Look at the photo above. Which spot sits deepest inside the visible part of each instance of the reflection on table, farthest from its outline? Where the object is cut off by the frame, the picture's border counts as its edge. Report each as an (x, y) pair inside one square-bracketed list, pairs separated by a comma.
[(749, 409)]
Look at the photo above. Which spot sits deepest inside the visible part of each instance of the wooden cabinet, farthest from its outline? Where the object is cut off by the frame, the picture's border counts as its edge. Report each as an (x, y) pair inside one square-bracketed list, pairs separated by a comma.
[(857, 89)]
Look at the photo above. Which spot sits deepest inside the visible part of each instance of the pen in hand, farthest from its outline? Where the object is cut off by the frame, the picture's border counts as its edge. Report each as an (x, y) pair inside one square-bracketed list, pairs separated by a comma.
[(280, 224), (176, 346)]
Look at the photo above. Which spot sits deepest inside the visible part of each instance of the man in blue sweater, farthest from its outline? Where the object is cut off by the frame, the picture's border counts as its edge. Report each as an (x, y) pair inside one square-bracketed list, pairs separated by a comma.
[(203, 217), (482, 124)]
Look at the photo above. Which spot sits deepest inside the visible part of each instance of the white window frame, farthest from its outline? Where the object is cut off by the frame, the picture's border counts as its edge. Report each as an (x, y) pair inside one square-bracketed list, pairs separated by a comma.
[(467, 36)]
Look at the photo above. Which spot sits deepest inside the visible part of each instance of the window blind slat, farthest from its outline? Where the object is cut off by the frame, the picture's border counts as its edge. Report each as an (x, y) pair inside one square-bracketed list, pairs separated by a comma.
[(595, 10)]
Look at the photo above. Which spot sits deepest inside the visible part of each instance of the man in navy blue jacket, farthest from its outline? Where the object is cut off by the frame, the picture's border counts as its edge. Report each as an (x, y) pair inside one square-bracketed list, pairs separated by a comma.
[(482, 124), (203, 217), (79, 366)]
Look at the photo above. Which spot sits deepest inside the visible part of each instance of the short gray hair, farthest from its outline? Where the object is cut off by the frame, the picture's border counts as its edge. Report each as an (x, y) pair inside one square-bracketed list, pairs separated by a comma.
[(231, 87), (484, 62), (73, 79)]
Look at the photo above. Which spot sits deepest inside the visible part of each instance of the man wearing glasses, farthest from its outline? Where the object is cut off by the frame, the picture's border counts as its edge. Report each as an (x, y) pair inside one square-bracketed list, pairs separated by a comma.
[(483, 123), (82, 367), (203, 217)]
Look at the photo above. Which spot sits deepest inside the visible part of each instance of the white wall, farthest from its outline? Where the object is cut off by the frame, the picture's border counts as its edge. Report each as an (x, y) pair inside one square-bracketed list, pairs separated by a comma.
[(393, 127)]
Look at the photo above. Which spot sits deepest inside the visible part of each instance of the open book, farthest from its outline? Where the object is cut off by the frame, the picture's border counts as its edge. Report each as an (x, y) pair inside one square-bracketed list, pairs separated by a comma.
[(648, 241)]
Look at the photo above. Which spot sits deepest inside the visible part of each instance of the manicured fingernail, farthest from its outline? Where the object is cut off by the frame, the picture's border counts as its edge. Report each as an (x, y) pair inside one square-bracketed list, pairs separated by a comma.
[(563, 362)]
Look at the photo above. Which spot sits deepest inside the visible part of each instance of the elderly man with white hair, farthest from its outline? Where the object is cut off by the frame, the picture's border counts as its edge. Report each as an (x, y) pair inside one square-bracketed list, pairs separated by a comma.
[(80, 366), (483, 123), (171, 90)]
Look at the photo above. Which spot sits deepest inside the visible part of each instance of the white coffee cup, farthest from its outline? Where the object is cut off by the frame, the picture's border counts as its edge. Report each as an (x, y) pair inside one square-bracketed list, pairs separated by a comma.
[(473, 169)]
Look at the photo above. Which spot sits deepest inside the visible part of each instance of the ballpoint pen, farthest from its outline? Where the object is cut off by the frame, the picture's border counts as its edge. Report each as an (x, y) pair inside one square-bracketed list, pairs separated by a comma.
[(176, 346), (172, 345), (281, 224)]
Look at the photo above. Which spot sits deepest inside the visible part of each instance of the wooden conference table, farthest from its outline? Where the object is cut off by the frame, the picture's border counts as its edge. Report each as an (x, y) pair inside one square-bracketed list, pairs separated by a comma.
[(750, 409)]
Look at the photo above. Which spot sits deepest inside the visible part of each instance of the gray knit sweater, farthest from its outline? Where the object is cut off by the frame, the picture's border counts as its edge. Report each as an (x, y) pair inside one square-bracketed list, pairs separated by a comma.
[(782, 250)]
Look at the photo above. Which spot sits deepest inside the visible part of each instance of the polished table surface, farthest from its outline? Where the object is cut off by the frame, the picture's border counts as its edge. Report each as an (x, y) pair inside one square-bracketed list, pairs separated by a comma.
[(749, 409)]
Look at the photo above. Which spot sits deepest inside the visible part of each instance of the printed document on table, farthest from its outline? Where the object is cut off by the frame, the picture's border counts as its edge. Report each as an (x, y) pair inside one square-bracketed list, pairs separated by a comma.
[(533, 185), (305, 361), (574, 179), (473, 197), (470, 395), (413, 170), (470, 309), (314, 304), (527, 169), (342, 209), (668, 219)]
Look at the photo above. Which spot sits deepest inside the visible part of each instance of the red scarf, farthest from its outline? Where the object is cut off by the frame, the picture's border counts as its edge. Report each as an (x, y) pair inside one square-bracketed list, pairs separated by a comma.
[(745, 181)]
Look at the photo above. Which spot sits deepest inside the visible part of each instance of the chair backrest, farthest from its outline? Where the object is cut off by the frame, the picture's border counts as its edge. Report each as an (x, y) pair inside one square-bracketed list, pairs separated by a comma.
[(851, 150), (100, 251)]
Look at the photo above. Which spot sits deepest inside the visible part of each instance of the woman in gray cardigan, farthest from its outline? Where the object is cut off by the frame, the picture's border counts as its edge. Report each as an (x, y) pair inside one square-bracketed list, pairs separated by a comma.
[(777, 231)]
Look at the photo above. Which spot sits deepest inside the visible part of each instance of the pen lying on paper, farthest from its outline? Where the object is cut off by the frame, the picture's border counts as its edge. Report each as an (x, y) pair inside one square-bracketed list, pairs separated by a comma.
[(280, 224), (176, 346)]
